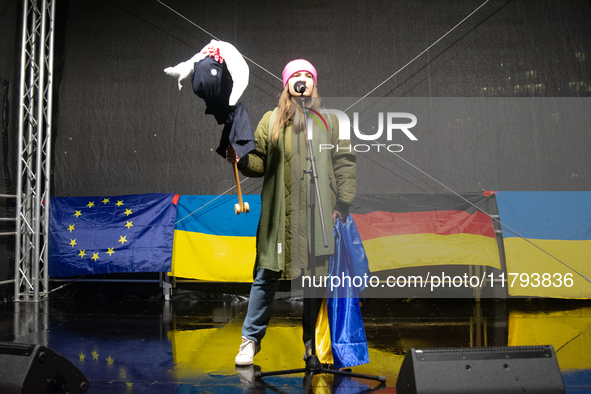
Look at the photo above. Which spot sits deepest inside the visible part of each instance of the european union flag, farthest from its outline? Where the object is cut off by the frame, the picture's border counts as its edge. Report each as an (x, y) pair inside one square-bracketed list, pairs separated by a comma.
[(99, 235)]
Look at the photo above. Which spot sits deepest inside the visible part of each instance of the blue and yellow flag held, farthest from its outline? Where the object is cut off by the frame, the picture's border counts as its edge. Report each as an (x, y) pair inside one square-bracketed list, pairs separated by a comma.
[(348, 343)]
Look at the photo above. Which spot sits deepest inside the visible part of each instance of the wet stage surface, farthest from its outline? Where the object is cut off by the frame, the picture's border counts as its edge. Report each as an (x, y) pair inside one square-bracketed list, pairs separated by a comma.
[(188, 346)]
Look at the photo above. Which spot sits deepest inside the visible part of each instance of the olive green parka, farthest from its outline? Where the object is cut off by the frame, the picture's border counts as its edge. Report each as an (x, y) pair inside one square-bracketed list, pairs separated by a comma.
[(282, 234)]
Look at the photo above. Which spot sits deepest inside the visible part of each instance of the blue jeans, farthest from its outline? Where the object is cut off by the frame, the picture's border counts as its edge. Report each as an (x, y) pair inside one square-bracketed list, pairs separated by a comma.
[(258, 314)]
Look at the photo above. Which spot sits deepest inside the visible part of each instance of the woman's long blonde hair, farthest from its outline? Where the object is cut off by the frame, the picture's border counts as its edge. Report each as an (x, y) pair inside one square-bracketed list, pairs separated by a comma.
[(287, 110)]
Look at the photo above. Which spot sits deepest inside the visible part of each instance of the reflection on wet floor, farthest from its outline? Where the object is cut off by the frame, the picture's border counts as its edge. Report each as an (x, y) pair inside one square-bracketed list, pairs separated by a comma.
[(155, 346)]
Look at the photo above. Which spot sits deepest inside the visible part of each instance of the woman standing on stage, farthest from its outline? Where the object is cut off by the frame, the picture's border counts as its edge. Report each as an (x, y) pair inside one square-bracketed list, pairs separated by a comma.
[(283, 243)]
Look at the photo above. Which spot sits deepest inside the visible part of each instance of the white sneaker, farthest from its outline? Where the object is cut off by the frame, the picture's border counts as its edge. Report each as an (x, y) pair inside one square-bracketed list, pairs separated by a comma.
[(247, 351)]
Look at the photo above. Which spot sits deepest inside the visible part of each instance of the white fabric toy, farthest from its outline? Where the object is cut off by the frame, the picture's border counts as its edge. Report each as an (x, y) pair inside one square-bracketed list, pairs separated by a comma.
[(222, 52)]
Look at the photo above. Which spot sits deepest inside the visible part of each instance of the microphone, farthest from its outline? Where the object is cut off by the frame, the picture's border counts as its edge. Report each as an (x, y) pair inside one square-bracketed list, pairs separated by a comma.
[(299, 87)]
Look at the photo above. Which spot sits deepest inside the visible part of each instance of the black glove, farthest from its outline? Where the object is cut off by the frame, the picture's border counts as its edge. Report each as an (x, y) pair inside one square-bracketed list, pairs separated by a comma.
[(342, 207)]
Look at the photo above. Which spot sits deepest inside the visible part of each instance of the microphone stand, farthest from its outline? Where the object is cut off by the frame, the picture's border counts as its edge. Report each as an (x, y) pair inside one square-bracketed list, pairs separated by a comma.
[(313, 364)]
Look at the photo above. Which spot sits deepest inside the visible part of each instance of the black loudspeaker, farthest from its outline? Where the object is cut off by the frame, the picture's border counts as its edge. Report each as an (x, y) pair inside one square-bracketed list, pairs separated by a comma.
[(512, 369), (35, 369)]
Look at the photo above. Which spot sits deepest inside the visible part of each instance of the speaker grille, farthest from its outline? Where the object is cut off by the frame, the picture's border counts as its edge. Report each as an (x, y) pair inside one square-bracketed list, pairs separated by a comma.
[(488, 353), (16, 349)]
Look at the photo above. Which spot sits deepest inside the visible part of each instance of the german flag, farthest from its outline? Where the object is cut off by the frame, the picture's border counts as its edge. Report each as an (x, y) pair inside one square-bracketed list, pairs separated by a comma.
[(411, 230)]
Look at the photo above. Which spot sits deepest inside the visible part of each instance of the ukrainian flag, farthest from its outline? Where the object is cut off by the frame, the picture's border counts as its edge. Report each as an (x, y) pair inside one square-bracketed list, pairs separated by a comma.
[(547, 240), (211, 242)]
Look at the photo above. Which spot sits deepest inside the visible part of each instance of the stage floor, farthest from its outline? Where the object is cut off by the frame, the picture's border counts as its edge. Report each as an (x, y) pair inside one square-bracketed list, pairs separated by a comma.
[(188, 345)]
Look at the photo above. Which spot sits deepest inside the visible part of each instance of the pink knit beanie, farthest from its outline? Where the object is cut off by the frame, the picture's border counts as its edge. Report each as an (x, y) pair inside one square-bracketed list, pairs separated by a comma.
[(298, 65)]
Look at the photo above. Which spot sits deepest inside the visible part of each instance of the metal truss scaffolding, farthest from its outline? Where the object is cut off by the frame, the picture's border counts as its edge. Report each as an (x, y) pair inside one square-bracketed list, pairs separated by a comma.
[(34, 151)]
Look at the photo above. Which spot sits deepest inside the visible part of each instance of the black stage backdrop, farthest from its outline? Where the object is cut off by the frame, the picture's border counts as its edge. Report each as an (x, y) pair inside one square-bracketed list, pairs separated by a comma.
[(9, 52), (125, 128)]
